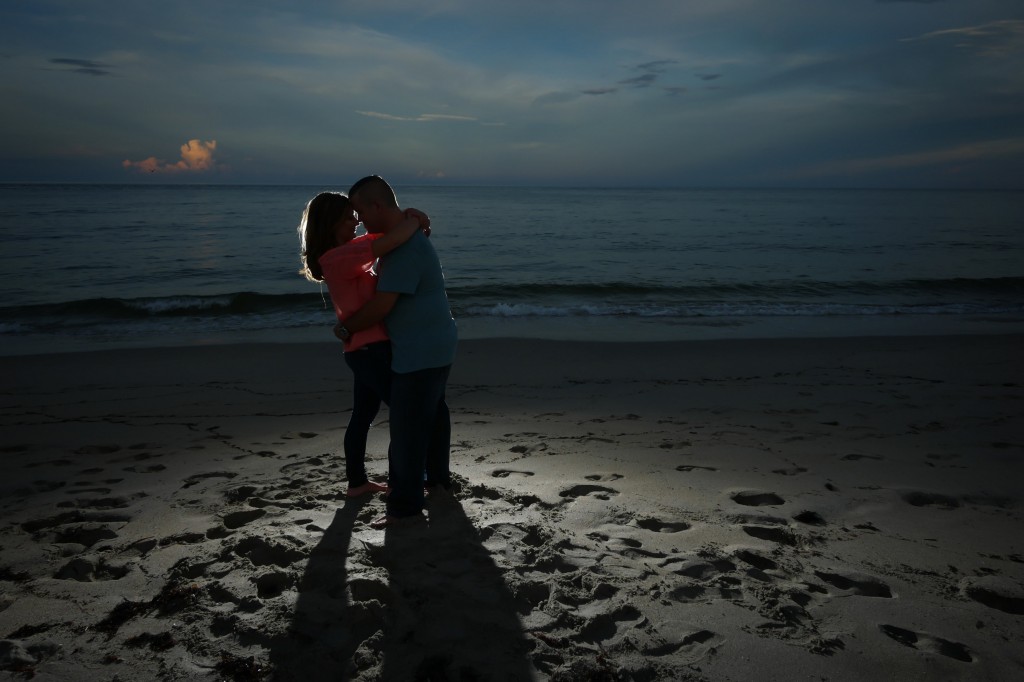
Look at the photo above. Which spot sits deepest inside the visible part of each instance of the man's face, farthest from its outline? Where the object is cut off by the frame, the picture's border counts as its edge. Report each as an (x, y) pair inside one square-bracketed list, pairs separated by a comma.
[(368, 212)]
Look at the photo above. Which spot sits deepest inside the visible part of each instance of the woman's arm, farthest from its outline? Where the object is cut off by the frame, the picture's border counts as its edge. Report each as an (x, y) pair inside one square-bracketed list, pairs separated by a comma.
[(414, 220)]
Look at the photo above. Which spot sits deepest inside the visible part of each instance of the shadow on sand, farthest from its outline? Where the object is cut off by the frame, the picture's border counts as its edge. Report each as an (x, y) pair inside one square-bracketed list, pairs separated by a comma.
[(421, 602)]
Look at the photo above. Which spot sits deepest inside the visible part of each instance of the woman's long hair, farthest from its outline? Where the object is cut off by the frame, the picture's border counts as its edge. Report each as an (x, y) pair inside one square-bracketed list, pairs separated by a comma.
[(316, 231)]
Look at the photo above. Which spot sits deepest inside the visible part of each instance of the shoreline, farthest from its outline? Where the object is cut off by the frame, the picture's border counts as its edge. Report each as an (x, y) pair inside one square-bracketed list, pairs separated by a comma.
[(678, 510), (568, 329), (641, 352)]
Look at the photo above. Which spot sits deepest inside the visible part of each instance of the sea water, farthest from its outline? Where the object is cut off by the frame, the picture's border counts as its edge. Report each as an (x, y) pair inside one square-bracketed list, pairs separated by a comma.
[(102, 266)]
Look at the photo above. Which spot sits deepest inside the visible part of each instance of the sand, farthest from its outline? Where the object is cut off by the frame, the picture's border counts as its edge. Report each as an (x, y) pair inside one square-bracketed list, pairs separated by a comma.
[(843, 509)]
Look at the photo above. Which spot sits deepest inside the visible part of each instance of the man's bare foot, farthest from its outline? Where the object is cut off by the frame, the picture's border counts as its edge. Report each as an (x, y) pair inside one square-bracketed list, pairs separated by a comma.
[(368, 487), (438, 492), (389, 521)]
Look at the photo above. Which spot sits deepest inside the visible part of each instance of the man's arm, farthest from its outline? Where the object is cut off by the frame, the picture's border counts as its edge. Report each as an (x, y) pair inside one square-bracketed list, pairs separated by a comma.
[(372, 312)]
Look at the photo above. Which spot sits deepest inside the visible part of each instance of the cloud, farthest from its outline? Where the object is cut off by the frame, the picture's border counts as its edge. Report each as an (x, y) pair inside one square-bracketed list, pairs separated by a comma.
[(650, 70), (599, 91), (708, 76), (83, 66), (196, 157), (640, 81), (996, 38), (420, 118), (655, 66)]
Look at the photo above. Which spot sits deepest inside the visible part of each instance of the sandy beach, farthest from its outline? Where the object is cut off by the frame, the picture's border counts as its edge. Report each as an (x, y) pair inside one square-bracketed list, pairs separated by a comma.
[(828, 509)]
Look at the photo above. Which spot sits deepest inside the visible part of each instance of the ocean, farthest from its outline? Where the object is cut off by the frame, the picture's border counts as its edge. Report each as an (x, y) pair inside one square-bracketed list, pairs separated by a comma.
[(114, 266)]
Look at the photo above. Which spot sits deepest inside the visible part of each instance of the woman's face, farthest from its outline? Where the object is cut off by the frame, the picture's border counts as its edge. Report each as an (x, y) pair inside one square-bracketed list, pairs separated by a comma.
[(345, 228)]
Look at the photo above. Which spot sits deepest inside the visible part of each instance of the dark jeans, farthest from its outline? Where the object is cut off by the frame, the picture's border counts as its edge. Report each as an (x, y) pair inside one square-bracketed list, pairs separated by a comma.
[(371, 374), (421, 432)]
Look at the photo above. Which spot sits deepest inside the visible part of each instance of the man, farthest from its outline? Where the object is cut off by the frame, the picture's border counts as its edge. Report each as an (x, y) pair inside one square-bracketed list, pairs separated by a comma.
[(411, 300)]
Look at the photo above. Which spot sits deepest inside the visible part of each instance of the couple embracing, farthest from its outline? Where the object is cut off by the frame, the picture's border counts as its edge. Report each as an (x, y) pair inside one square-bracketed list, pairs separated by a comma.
[(398, 331)]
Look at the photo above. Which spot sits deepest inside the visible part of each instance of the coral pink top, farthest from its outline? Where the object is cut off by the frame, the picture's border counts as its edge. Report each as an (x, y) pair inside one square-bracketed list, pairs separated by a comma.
[(348, 272)]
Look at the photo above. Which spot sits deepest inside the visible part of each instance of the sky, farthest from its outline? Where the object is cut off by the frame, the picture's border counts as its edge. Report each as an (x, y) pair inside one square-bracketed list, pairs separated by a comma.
[(601, 93)]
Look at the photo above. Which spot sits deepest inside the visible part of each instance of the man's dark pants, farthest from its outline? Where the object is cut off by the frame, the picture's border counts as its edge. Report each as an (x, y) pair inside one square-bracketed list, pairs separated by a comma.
[(420, 437)]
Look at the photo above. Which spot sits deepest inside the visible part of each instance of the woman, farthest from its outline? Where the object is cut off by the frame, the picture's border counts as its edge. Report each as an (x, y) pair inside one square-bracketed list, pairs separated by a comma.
[(332, 253)]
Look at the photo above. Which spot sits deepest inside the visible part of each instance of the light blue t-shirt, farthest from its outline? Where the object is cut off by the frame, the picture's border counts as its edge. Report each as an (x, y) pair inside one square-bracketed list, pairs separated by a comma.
[(421, 326)]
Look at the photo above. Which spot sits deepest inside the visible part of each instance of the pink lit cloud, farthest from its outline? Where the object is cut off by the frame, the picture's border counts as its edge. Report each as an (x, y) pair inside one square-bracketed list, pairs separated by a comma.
[(196, 157)]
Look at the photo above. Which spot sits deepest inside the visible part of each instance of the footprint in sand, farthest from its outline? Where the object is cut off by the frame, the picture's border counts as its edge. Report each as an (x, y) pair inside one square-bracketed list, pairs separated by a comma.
[(532, 593), (86, 534), (240, 494), (754, 498), (310, 462), (196, 478), (699, 569), (187, 538), (142, 456), (995, 593), (810, 518), (505, 473), (8, 575), (482, 492), (583, 490), (263, 552), (272, 584), (97, 449), (658, 526), (854, 457), (299, 434), (240, 518), (79, 487), (694, 467), (528, 450), (792, 471), (625, 546), (929, 643), (149, 469), (570, 558), (606, 625), (923, 499), (779, 535), (515, 545), (692, 646), (42, 487), (604, 477), (86, 570), (855, 583), (366, 590), (756, 560), (52, 462), (699, 593)]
